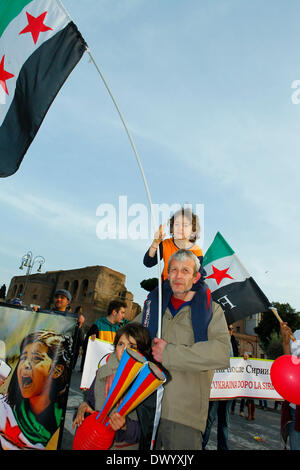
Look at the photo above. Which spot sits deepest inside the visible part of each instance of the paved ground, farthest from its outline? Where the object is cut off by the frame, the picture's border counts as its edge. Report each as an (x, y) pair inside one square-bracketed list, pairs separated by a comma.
[(260, 434)]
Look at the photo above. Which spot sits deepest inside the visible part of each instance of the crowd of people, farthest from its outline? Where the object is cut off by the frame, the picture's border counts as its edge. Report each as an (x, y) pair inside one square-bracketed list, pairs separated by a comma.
[(195, 340)]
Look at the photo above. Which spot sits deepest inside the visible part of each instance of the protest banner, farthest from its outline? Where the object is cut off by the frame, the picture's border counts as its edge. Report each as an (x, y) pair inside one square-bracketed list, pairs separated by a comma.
[(244, 378), (36, 364), (96, 355)]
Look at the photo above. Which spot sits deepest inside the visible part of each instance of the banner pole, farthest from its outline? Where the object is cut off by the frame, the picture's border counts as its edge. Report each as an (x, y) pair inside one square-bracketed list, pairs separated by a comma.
[(141, 170)]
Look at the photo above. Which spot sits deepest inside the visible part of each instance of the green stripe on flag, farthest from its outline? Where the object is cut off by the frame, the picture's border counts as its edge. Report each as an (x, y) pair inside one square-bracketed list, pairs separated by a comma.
[(9, 9), (218, 249)]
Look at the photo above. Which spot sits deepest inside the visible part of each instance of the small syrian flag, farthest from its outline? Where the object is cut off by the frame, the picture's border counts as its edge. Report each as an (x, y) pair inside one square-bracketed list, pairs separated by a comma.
[(230, 284), (39, 47)]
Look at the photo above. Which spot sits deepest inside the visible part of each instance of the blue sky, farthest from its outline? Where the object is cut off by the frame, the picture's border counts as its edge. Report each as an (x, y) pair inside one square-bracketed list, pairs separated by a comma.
[(206, 91)]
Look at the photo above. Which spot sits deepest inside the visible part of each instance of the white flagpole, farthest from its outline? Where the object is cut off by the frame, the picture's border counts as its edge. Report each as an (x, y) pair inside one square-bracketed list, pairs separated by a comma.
[(146, 187), (141, 170)]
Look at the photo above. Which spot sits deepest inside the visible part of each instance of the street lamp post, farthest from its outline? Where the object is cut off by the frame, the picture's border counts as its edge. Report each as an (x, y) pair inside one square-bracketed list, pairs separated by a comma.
[(29, 261)]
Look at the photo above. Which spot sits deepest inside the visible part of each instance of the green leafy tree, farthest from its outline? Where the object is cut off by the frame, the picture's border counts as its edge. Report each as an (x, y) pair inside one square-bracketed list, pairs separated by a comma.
[(269, 323), (274, 348)]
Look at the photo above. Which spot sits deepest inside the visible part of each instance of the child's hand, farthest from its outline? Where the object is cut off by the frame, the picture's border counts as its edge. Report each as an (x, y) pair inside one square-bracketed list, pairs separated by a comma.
[(83, 408), (159, 236), (117, 422), (286, 332)]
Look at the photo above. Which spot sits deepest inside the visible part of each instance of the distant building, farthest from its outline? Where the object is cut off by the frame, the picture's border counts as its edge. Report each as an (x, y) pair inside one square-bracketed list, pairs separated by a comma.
[(244, 333), (92, 288)]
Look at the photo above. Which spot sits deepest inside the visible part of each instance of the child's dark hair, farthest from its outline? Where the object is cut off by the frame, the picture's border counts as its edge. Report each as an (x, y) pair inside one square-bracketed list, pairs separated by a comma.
[(188, 213), (140, 334)]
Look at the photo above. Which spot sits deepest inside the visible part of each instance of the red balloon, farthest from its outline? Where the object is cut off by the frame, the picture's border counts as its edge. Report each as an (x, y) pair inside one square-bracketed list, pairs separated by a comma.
[(285, 377), (93, 435)]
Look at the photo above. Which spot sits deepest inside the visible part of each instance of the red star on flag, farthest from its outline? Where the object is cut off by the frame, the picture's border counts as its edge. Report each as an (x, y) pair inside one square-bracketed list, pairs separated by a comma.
[(12, 434), (219, 275), (4, 75), (35, 26)]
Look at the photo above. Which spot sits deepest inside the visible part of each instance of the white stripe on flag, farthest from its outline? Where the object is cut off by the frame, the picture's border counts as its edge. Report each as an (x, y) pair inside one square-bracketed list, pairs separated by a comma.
[(17, 47), (235, 270)]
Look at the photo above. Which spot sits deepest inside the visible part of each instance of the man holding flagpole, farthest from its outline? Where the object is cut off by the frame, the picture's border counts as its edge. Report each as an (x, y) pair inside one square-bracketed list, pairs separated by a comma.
[(194, 342)]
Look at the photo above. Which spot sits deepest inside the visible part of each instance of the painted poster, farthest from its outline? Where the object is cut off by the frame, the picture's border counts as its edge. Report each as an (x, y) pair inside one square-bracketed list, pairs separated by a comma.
[(36, 350)]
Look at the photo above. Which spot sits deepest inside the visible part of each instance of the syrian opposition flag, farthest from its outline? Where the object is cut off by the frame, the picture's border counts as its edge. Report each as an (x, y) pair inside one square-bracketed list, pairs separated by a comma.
[(39, 47), (230, 284)]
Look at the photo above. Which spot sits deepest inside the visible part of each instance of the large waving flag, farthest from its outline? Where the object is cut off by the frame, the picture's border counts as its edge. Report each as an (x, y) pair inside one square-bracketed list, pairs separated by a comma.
[(230, 283), (39, 47)]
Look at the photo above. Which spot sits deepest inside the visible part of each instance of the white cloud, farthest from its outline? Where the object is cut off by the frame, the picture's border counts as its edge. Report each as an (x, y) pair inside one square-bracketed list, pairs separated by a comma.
[(55, 214)]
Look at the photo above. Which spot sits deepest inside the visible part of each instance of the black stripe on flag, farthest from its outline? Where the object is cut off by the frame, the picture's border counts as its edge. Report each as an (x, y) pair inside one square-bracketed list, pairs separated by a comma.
[(39, 81), (241, 299)]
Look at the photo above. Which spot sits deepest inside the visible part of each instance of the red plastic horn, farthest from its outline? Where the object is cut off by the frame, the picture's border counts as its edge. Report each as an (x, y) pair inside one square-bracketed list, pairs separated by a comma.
[(130, 364), (93, 435), (149, 379)]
